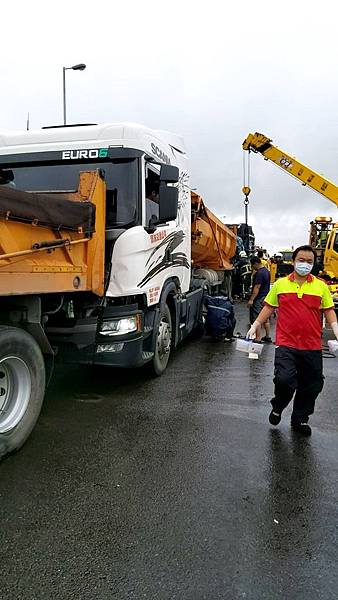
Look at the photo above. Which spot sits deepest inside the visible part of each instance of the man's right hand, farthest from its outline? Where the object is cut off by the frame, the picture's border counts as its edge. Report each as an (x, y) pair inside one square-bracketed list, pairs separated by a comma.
[(253, 330)]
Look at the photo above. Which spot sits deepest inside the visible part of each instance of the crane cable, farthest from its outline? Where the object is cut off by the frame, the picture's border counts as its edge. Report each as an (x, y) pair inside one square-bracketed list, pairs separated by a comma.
[(246, 177), (246, 168), (246, 184)]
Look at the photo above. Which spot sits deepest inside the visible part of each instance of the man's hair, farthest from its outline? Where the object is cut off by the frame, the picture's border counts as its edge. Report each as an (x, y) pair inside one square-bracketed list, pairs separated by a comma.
[(305, 248), (255, 260), (260, 253)]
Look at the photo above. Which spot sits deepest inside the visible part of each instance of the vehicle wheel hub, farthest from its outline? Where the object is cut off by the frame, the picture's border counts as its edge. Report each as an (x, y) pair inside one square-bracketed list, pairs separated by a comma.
[(163, 339), (15, 391)]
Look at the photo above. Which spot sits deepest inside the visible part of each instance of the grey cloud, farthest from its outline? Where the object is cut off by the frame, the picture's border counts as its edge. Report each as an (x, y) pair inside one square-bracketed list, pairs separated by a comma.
[(211, 72)]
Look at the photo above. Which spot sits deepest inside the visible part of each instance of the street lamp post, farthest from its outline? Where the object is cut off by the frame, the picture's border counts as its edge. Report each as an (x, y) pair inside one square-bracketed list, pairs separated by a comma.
[(79, 67)]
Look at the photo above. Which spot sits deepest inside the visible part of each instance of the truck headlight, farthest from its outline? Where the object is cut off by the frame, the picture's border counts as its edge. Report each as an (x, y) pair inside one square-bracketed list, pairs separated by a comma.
[(121, 326)]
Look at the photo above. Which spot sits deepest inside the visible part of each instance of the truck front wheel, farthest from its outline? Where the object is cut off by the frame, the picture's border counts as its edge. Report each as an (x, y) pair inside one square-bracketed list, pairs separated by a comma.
[(22, 387), (163, 341)]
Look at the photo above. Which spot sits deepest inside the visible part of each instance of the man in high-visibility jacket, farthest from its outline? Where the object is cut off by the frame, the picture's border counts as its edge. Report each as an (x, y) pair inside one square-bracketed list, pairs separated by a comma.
[(264, 261), (301, 300)]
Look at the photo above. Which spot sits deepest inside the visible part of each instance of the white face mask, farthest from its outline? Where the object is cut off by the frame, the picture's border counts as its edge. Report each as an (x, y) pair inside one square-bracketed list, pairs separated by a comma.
[(302, 268)]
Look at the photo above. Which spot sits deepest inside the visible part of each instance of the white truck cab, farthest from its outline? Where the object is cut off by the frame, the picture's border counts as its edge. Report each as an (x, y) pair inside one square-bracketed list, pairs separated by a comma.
[(149, 303)]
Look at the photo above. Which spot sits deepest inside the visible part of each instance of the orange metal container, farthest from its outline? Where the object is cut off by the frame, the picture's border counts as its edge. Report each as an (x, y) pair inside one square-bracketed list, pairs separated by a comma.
[(213, 244), (77, 266)]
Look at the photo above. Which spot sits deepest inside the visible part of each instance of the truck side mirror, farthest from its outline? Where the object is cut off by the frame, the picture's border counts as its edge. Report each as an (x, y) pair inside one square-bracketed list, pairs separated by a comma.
[(169, 174), (168, 201)]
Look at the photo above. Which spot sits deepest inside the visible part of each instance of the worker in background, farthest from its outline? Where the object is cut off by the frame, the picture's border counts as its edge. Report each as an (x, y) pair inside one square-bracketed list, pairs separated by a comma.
[(242, 275), (278, 259), (152, 204), (260, 289), (264, 261), (273, 269), (301, 299), (220, 319)]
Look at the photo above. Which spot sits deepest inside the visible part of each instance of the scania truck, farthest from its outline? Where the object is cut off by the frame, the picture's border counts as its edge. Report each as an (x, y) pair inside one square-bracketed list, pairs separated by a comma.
[(97, 224)]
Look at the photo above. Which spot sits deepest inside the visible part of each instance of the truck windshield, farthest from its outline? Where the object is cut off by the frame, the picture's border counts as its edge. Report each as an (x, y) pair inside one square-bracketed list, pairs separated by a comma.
[(335, 245), (121, 177), (287, 256)]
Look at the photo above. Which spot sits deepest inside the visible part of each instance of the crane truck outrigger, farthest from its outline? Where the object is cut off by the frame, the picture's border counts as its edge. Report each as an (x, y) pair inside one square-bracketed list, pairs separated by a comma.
[(104, 256), (323, 232)]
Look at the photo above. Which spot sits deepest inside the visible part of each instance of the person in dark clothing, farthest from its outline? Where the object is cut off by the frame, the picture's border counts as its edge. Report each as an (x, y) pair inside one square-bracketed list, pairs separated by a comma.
[(301, 299), (220, 318), (241, 279), (260, 289), (152, 204)]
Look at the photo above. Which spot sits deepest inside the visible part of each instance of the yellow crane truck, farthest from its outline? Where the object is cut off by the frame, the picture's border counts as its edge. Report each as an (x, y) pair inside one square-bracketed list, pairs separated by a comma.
[(323, 232)]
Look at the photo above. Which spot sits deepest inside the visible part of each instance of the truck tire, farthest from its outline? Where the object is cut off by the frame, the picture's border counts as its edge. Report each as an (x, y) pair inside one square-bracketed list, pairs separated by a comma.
[(163, 341), (22, 387)]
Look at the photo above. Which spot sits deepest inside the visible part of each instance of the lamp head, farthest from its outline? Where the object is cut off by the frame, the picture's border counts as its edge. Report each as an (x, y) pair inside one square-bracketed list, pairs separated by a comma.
[(79, 67)]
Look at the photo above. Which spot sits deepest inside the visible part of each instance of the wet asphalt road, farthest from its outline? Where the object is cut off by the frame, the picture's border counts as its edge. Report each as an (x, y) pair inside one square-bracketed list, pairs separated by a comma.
[(174, 488)]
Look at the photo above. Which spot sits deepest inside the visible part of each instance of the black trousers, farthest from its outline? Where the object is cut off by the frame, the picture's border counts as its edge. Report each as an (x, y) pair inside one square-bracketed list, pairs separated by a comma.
[(299, 371)]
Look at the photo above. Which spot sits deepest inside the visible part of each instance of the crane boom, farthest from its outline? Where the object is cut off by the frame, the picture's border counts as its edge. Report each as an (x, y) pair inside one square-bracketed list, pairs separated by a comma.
[(259, 143)]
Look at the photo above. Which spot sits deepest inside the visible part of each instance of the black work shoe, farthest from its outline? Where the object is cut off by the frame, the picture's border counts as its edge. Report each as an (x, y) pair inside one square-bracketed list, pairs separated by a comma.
[(302, 428), (266, 339), (274, 417)]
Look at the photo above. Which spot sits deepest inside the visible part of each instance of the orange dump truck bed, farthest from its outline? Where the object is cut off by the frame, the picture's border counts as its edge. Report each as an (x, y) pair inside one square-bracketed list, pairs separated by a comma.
[(213, 244), (53, 242)]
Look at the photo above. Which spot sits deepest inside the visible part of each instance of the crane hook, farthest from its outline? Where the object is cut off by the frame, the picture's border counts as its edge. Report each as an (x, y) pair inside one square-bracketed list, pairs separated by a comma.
[(246, 191)]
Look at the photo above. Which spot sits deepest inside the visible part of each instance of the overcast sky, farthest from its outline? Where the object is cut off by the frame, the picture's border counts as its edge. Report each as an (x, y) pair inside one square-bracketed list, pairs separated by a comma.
[(211, 71)]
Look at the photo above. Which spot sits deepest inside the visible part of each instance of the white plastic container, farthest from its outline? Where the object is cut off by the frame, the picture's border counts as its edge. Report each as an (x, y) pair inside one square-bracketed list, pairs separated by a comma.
[(243, 345), (249, 346), (333, 347), (256, 348)]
